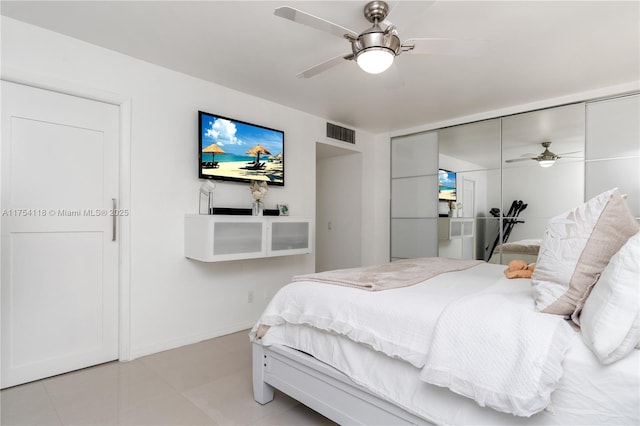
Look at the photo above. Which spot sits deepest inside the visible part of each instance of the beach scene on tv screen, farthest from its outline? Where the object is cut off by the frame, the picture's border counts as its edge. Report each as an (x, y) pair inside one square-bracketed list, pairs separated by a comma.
[(446, 185), (232, 149)]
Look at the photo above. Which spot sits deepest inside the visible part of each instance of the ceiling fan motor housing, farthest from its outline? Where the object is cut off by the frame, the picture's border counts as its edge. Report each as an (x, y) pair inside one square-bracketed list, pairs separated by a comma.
[(546, 155), (376, 11), (376, 38)]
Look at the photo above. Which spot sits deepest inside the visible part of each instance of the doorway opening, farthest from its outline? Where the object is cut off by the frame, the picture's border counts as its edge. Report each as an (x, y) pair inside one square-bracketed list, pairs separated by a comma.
[(338, 208)]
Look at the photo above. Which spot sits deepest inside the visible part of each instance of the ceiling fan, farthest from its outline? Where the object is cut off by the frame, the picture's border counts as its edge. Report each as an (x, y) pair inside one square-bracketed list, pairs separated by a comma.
[(375, 48), (546, 158)]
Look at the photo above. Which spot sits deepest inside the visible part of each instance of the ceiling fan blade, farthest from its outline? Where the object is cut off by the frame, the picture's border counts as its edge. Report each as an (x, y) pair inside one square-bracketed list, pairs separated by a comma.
[(323, 66), (569, 153), (304, 18), (445, 46), (515, 160)]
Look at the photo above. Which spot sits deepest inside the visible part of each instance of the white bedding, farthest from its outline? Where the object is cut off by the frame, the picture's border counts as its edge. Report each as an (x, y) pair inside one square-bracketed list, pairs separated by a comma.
[(418, 308), (372, 318), (498, 351), (589, 393), (526, 250)]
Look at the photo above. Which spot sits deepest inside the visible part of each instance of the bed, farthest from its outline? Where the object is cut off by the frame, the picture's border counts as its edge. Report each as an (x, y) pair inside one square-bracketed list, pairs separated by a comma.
[(461, 344), (526, 250)]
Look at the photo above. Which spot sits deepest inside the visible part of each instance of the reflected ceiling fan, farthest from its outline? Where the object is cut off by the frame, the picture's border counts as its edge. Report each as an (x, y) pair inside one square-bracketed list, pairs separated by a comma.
[(375, 48), (546, 158)]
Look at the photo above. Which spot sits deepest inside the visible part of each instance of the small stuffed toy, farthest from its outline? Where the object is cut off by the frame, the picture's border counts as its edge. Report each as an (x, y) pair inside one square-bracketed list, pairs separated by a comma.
[(519, 269)]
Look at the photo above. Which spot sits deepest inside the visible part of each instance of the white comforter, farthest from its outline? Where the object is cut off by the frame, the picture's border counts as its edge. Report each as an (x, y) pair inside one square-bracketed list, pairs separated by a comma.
[(404, 323), (498, 351)]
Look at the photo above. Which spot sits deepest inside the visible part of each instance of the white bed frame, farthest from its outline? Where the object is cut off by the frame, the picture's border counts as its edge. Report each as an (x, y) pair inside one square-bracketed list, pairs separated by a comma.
[(322, 388)]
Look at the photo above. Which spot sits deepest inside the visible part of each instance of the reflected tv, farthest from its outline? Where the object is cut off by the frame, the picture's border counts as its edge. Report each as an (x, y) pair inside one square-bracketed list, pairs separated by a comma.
[(234, 150), (446, 185)]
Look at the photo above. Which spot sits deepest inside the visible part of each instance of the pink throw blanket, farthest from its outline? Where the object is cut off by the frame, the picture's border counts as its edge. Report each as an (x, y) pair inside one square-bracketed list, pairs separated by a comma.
[(398, 274)]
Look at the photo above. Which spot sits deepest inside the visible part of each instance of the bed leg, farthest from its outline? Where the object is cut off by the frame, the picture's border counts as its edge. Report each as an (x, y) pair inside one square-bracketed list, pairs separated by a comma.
[(262, 392)]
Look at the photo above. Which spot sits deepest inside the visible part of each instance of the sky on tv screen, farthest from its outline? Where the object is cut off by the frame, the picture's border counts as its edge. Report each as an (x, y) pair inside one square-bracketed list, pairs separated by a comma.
[(236, 138), (447, 179)]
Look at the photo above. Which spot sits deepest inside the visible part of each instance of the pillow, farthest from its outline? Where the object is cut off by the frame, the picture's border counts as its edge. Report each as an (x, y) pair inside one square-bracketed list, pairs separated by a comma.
[(611, 313), (575, 249)]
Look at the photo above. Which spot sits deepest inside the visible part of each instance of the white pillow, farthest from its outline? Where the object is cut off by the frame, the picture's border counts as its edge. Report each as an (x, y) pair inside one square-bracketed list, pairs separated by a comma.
[(575, 249), (610, 316)]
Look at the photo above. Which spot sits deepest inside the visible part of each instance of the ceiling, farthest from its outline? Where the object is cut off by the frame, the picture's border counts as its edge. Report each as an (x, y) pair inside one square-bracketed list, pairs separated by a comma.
[(537, 50)]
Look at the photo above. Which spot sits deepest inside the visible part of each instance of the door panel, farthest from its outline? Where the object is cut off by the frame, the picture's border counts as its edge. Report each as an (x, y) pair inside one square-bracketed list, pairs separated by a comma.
[(59, 263), (68, 158)]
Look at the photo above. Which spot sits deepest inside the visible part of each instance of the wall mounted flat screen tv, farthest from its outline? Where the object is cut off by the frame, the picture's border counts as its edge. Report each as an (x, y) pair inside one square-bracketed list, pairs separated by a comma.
[(234, 150), (446, 185)]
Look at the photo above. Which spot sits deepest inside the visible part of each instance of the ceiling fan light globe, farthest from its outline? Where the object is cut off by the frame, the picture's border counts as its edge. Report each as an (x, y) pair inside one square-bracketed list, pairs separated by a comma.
[(546, 163), (375, 60)]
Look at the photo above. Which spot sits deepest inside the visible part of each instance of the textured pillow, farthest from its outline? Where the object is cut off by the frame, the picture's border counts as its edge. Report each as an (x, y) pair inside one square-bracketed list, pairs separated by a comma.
[(576, 247), (610, 316)]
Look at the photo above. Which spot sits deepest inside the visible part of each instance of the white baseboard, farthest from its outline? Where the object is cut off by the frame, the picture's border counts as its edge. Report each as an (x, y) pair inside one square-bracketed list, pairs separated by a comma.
[(137, 352)]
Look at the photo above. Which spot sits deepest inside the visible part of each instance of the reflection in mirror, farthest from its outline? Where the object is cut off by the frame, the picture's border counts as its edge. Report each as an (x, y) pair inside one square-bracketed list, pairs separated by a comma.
[(540, 179), (472, 152)]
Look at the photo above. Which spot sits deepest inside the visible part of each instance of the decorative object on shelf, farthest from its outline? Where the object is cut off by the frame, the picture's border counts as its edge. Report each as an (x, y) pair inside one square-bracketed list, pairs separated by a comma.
[(459, 209), (452, 208), (256, 208), (258, 192), (206, 195), (283, 209)]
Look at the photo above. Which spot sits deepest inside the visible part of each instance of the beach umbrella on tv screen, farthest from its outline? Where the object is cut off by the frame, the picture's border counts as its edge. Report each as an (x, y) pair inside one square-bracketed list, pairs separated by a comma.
[(213, 149), (257, 150)]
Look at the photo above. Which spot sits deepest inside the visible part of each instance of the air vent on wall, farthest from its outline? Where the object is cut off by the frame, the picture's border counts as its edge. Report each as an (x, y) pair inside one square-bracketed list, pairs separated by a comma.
[(341, 133)]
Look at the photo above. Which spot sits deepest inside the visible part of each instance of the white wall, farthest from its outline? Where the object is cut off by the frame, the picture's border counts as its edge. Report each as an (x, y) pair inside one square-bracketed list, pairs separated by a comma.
[(174, 300)]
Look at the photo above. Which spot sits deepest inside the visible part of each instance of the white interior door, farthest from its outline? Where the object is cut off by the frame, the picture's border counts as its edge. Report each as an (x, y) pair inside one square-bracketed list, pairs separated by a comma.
[(59, 252)]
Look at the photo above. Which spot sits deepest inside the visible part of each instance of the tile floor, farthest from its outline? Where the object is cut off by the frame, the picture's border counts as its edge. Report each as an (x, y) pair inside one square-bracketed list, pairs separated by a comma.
[(207, 383)]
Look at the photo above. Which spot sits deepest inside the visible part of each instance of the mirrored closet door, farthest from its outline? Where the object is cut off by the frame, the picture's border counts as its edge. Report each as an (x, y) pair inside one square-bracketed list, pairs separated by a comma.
[(486, 190), (469, 160), (414, 189), (613, 148), (542, 176)]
